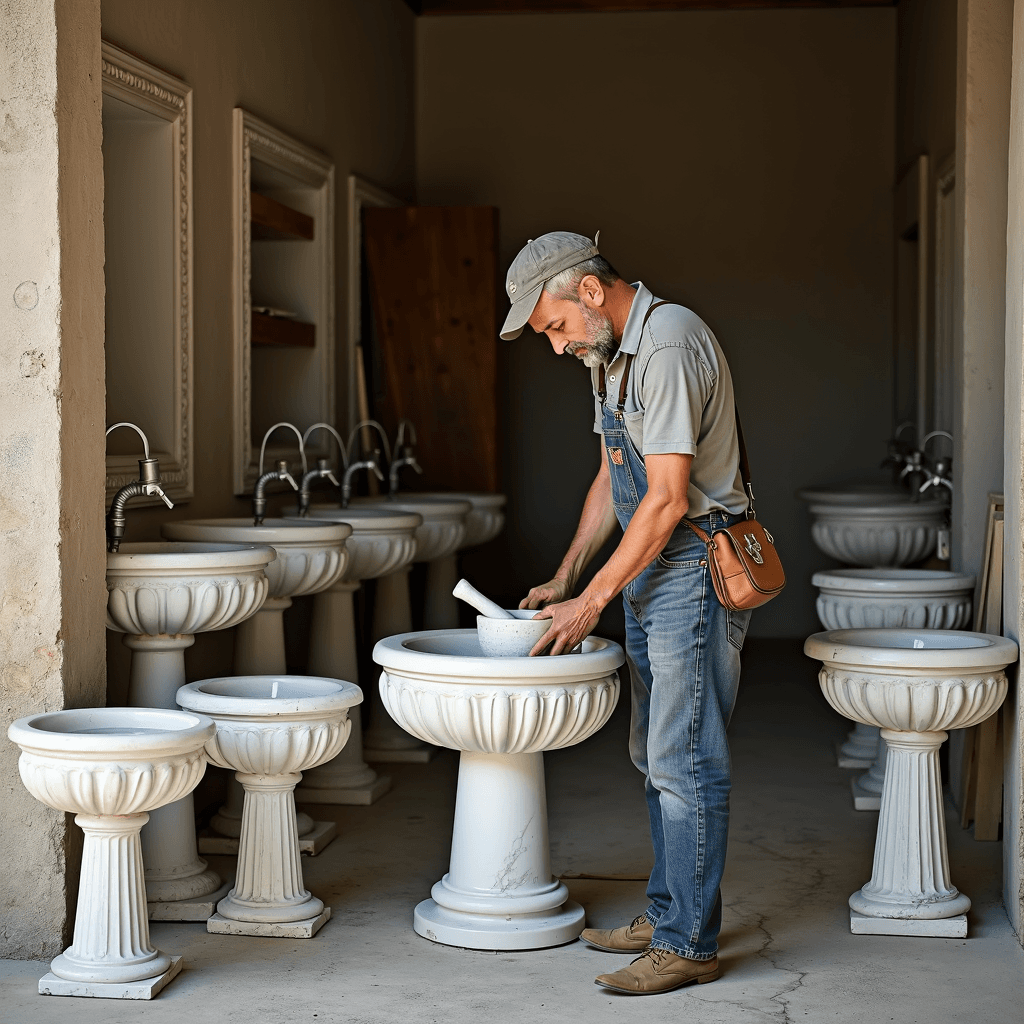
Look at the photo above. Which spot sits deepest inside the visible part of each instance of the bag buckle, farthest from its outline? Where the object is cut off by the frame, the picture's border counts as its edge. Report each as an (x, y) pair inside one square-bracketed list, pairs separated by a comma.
[(753, 546)]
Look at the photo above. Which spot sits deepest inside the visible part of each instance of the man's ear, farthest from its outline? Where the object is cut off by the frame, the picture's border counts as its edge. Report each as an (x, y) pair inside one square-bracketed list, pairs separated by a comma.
[(591, 291)]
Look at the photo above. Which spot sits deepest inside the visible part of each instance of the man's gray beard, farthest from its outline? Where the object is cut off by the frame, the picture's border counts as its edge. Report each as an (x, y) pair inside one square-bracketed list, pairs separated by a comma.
[(602, 346)]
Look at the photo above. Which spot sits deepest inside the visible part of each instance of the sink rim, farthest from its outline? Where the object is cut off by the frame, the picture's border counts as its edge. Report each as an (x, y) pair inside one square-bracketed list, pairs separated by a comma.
[(275, 531), (365, 519), (478, 499), (338, 695), (176, 732), (394, 655), (930, 510), (893, 580), (161, 555), (867, 649), (441, 508), (853, 493)]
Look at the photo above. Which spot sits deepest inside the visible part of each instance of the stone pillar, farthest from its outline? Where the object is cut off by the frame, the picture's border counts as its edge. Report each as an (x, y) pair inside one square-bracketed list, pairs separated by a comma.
[(1013, 482), (52, 406)]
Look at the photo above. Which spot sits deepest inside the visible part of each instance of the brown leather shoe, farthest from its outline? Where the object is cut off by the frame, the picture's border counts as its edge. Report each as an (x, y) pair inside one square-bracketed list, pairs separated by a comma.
[(658, 970), (630, 938)]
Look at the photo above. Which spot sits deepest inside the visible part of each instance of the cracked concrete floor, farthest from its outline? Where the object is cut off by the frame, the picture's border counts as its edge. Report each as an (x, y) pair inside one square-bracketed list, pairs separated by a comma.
[(797, 851)]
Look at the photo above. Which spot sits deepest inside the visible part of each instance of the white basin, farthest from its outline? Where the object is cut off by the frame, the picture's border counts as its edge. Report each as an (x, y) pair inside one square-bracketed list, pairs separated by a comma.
[(502, 713), (382, 541), (914, 685), (485, 519), (894, 598), (269, 730), (110, 766), (310, 556), (444, 522), (170, 588), (894, 534)]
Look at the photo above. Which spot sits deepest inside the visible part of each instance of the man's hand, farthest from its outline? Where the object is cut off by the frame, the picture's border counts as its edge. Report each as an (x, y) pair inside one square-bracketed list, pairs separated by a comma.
[(571, 622), (547, 593)]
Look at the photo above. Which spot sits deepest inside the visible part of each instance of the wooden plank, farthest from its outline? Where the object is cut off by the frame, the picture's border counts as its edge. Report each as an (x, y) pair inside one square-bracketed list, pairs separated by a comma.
[(441, 7), (988, 800), (281, 332), (273, 220), (433, 282)]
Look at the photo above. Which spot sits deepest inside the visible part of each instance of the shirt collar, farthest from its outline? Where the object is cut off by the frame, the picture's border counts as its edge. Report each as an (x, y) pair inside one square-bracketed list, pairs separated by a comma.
[(634, 322)]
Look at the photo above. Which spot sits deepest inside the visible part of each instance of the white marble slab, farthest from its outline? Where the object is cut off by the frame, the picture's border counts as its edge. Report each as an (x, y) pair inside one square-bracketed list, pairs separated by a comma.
[(51, 985), (218, 925), (944, 927)]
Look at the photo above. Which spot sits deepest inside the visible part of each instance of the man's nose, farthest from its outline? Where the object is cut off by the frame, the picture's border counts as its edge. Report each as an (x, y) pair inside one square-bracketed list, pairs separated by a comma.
[(558, 346)]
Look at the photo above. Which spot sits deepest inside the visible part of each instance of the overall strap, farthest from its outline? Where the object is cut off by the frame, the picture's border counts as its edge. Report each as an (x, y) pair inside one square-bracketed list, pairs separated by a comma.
[(629, 362)]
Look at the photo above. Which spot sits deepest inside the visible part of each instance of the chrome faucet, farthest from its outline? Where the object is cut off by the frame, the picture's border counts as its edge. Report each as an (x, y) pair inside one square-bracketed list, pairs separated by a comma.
[(407, 459), (323, 468), (350, 470), (940, 473), (259, 499), (147, 485)]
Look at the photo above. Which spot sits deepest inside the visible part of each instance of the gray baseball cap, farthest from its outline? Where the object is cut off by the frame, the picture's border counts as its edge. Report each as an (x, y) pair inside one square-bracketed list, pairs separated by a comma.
[(539, 261)]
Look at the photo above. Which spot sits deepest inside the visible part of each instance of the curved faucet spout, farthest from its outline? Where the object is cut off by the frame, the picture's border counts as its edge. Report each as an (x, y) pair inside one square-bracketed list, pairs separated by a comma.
[(380, 430), (148, 485)]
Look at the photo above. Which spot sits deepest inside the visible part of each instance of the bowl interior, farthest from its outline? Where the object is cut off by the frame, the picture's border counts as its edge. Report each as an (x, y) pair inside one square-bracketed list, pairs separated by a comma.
[(270, 687), (113, 722), (919, 640)]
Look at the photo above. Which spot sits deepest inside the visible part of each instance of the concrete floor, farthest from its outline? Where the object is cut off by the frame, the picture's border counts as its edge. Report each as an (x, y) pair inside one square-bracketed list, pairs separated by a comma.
[(797, 850)]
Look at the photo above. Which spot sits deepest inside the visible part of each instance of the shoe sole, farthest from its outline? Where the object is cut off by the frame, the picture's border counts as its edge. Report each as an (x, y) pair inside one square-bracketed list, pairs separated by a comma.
[(701, 979), (616, 949)]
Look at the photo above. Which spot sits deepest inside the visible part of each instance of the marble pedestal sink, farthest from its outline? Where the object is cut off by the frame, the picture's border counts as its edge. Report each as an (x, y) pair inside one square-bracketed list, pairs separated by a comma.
[(913, 685), (484, 521), (310, 558), (109, 767), (883, 534), (161, 595), (439, 535), (383, 541), (269, 729), (502, 713), (889, 598)]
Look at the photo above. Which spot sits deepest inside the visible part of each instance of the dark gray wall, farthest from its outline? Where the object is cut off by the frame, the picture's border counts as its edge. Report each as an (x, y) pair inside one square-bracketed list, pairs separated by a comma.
[(739, 162)]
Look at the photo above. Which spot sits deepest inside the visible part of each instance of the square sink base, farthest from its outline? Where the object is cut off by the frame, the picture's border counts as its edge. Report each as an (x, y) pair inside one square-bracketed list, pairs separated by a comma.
[(845, 761), (864, 799), (348, 796), (198, 909), (51, 985), (323, 834), (289, 930), (943, 927)]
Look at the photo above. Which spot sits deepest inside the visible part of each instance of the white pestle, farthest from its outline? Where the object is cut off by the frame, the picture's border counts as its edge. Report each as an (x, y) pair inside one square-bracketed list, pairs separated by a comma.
[(465, 591)]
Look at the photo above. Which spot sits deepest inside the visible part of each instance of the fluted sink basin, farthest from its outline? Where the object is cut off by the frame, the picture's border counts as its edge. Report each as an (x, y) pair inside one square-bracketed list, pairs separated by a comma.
[(854, 494), (486, 516), (914, 684), (444, 522), (502, 713), (382, 541), (310, 557), (897, 534), (173, 588)]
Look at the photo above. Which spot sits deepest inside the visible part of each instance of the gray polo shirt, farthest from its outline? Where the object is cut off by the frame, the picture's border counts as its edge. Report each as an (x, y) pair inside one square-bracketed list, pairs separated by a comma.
[(679, 400)]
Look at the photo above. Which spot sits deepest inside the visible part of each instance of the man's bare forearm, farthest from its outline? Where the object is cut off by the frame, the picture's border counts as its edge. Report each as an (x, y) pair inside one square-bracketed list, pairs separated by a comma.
[(597, 523)]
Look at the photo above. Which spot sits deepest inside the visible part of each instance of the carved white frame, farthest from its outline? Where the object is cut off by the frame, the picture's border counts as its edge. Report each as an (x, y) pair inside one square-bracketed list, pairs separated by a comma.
[(254, 138), (360, 193), (147, 88)]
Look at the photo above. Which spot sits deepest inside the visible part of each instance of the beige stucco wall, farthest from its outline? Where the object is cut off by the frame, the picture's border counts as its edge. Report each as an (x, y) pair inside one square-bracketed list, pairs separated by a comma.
[(335, 74), (739, 162), (51, 430)]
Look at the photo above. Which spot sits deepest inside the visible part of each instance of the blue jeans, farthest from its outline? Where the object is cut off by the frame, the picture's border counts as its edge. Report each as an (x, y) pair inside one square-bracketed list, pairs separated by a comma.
[(683, 649)]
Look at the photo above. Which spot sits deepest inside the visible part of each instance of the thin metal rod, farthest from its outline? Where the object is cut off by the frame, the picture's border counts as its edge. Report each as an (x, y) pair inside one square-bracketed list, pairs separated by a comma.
[(302, 447)]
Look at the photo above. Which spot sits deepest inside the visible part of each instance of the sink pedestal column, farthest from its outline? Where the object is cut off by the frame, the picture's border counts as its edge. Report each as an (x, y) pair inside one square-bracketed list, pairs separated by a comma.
[(347, 779), (867, 788), (499, 892), (269, 897), (179, 884), (910, 892), (441, 609), (259, 650), (384, 740), (860, 748)]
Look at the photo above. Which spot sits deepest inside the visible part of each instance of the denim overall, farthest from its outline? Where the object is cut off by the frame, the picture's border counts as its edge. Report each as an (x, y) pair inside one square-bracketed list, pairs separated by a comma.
[(683, 649)]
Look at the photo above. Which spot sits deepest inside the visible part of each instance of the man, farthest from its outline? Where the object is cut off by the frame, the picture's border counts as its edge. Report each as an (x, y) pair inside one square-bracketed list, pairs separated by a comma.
[(665, 410)]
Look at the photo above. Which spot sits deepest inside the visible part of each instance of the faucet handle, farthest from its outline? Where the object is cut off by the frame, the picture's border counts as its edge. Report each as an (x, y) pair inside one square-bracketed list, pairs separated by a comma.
[(283, 474)]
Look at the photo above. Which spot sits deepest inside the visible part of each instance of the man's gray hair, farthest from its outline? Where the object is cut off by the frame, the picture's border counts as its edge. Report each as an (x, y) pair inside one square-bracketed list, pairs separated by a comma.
[(566, 284)]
